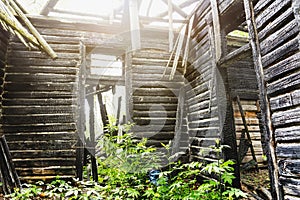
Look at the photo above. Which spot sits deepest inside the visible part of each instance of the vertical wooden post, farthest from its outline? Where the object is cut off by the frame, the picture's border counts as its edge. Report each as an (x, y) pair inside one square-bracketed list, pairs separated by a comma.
[(225, 110), (179, 121), (134, 25), (91, 145), (81, 118), (128, 86), (171, 31), (264, 101), (216, 28), (296, 7)]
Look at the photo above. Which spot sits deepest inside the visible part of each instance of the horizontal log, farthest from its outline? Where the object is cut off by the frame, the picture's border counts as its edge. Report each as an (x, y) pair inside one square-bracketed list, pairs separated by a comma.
[(38, 95), (24, 110), (281, 52), (156, 107), (154, 77), (39, 128), (289, 134), (42, 145), (289, 168), (40, 54), (279, 21), (40, 154), (39, 162), (282, 67), (281, 102), (279, 37), (148, 91), (288, 150), (43, 62), (42, 78), (41, 136), (36, 172), (143, 121), (41, 69), (69, 87), (39, 102), (266, 15), (153, 128), (283, 85), (291, 186), (153, 114), (158, 84), (37, 119)]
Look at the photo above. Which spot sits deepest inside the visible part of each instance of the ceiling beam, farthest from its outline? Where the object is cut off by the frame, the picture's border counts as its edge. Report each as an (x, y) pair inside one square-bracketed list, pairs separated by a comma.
[(48, 7), (183, 5), (177, 9)]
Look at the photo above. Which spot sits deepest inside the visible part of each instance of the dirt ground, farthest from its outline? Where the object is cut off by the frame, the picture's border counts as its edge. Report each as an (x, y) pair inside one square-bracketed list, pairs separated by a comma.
[(256, 183)]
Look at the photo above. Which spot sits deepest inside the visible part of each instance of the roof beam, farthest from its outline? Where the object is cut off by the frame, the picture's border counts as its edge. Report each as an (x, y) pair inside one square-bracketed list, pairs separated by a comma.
[(176, 8), (48, 7)]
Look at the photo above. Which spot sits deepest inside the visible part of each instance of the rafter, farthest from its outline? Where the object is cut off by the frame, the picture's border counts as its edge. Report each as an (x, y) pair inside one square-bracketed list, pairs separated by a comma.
[(48, 7), (183, 5)]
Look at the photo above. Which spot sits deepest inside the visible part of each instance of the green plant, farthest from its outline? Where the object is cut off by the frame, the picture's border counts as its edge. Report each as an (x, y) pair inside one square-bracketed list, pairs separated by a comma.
[(181, 181)]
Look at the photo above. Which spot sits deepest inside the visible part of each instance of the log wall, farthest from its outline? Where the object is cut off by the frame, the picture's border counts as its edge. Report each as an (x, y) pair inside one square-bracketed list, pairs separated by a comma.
[(153, 97), (278, 31), (41, 104), (40, 107), (201, 103), (4, 36)]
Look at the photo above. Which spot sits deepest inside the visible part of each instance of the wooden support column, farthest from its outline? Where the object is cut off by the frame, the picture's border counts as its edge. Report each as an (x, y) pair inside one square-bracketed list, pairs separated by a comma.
[(91, 145), (180, 114), (264, 101), (81, 118), (48, 7), (171, 31), (216, 28), (128, 87), (219, 80), (134, 25), (177, 9)]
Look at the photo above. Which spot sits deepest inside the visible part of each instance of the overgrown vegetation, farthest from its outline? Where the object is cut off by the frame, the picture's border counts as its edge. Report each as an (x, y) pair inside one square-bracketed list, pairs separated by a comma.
[(123, 171)]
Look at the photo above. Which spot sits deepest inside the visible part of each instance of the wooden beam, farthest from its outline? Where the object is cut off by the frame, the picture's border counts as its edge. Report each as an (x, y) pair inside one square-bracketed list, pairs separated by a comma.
[(33, 30), (134, 25), (79, 13), (48, 7), (216, 28), (11, 21), (177, 9), (171, 31), (81, 120), (264, 101), (296, 8), (183, 5)]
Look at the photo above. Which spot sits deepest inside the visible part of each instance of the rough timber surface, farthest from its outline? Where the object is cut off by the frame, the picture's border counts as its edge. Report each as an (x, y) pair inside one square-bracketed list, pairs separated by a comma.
[(278, 32)]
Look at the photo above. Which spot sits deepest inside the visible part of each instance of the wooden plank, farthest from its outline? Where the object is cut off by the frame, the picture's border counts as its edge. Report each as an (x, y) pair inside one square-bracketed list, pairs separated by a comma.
[(278, 22), (286, 117), (287, 83), (288, 134), (291, 186), (217, 29), (289, 150), (289, 168), (36, 119), (282, 67), (134, 25), (265, 16), (48, 7), (40, 136), (286, 49), (279, 37)]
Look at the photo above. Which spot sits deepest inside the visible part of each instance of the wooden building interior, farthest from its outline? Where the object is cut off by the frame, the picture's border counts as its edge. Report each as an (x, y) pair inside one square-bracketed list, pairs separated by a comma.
[(193, 73)]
